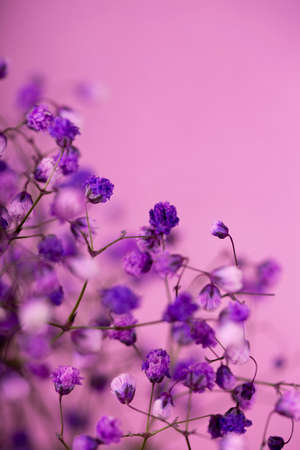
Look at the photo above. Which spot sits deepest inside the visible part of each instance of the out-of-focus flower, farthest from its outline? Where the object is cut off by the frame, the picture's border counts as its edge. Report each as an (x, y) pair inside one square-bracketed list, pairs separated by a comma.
[(136, 263), (199, 376), (3, 144), (87, 341), (63, 130), (108, 430), (181, 332), (34, 314), (14, 387), (163, 406), (181, 309), (65, 378), (69, 161), (156, 365), (84, 442), (202, 333), (123, 386), (232, 441), (228, 278), (51, 248), (3, 68), (68, 204), (126, 336), (163, 217), (238, 312), (238, 353), (166, 264), (119, 299), (210, 297), (84, 267), (152, 241), (30, 93), (288, 404)]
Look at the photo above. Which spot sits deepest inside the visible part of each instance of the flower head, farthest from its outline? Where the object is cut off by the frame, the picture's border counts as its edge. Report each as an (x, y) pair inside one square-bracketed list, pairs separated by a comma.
[(20, 205), (156, 365), (152, 243), (98, 190), (68, 204), (233, 421), (210, 297), (87, 341), (69, 161), (39, 118), (225, 378), (289, 404), (162, 406), (167, 264), (181, 332), (228, 278), (244, 394), (108, 430), (119, 299), (63, 130), (181, 309), (238, 312), (220, 230), (203, 334), (163, 217), (136, 263), (84, 442), (65, 379), (123, 386), (51, 248), (126, 336), (199, 376), (275, 443)]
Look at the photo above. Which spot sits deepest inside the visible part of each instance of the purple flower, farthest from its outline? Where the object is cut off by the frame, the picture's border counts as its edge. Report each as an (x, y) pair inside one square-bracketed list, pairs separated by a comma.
[(69, 160), (233, 421), (210, 297), (20, 205), (166, 264), (51, 248), (3, 144), (181, 309), (136, 263), (162, 406), (152, 243), (119, 299), (163, 217), (81, 225), (63, 130), (40, 370), (108, 430), (203, 334), (238, 312), (87, 341), (65, 379), (44, 169), (39, 118), (275, 443), (244, 394), (84, 442), (228, 278), (199, 376), (123, 386), (127, 336), (68, 204), (30, 93), (98, 190), (3, 68), (225, 378), (220, 230), (288, 404), (181, 333), (268, 274), (56, 297), (156, 365), (181, 369)]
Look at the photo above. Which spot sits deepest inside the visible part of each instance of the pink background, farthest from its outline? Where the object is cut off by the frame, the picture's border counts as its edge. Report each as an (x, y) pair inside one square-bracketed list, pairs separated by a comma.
[(203, 110)]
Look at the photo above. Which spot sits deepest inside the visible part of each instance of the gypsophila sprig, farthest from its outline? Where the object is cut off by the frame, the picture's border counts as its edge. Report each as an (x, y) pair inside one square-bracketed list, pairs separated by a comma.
[(131, 315)]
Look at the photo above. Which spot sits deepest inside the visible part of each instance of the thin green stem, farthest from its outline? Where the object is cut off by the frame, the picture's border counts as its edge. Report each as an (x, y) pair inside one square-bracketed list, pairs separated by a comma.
[(89, 228), (61, 434), (101, 250), (233, 249), (148, 417), (73, 312), (263, 442)]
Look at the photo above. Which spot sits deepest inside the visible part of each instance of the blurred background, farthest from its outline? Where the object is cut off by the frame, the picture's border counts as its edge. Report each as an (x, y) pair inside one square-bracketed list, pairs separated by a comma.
[(194, 102)]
